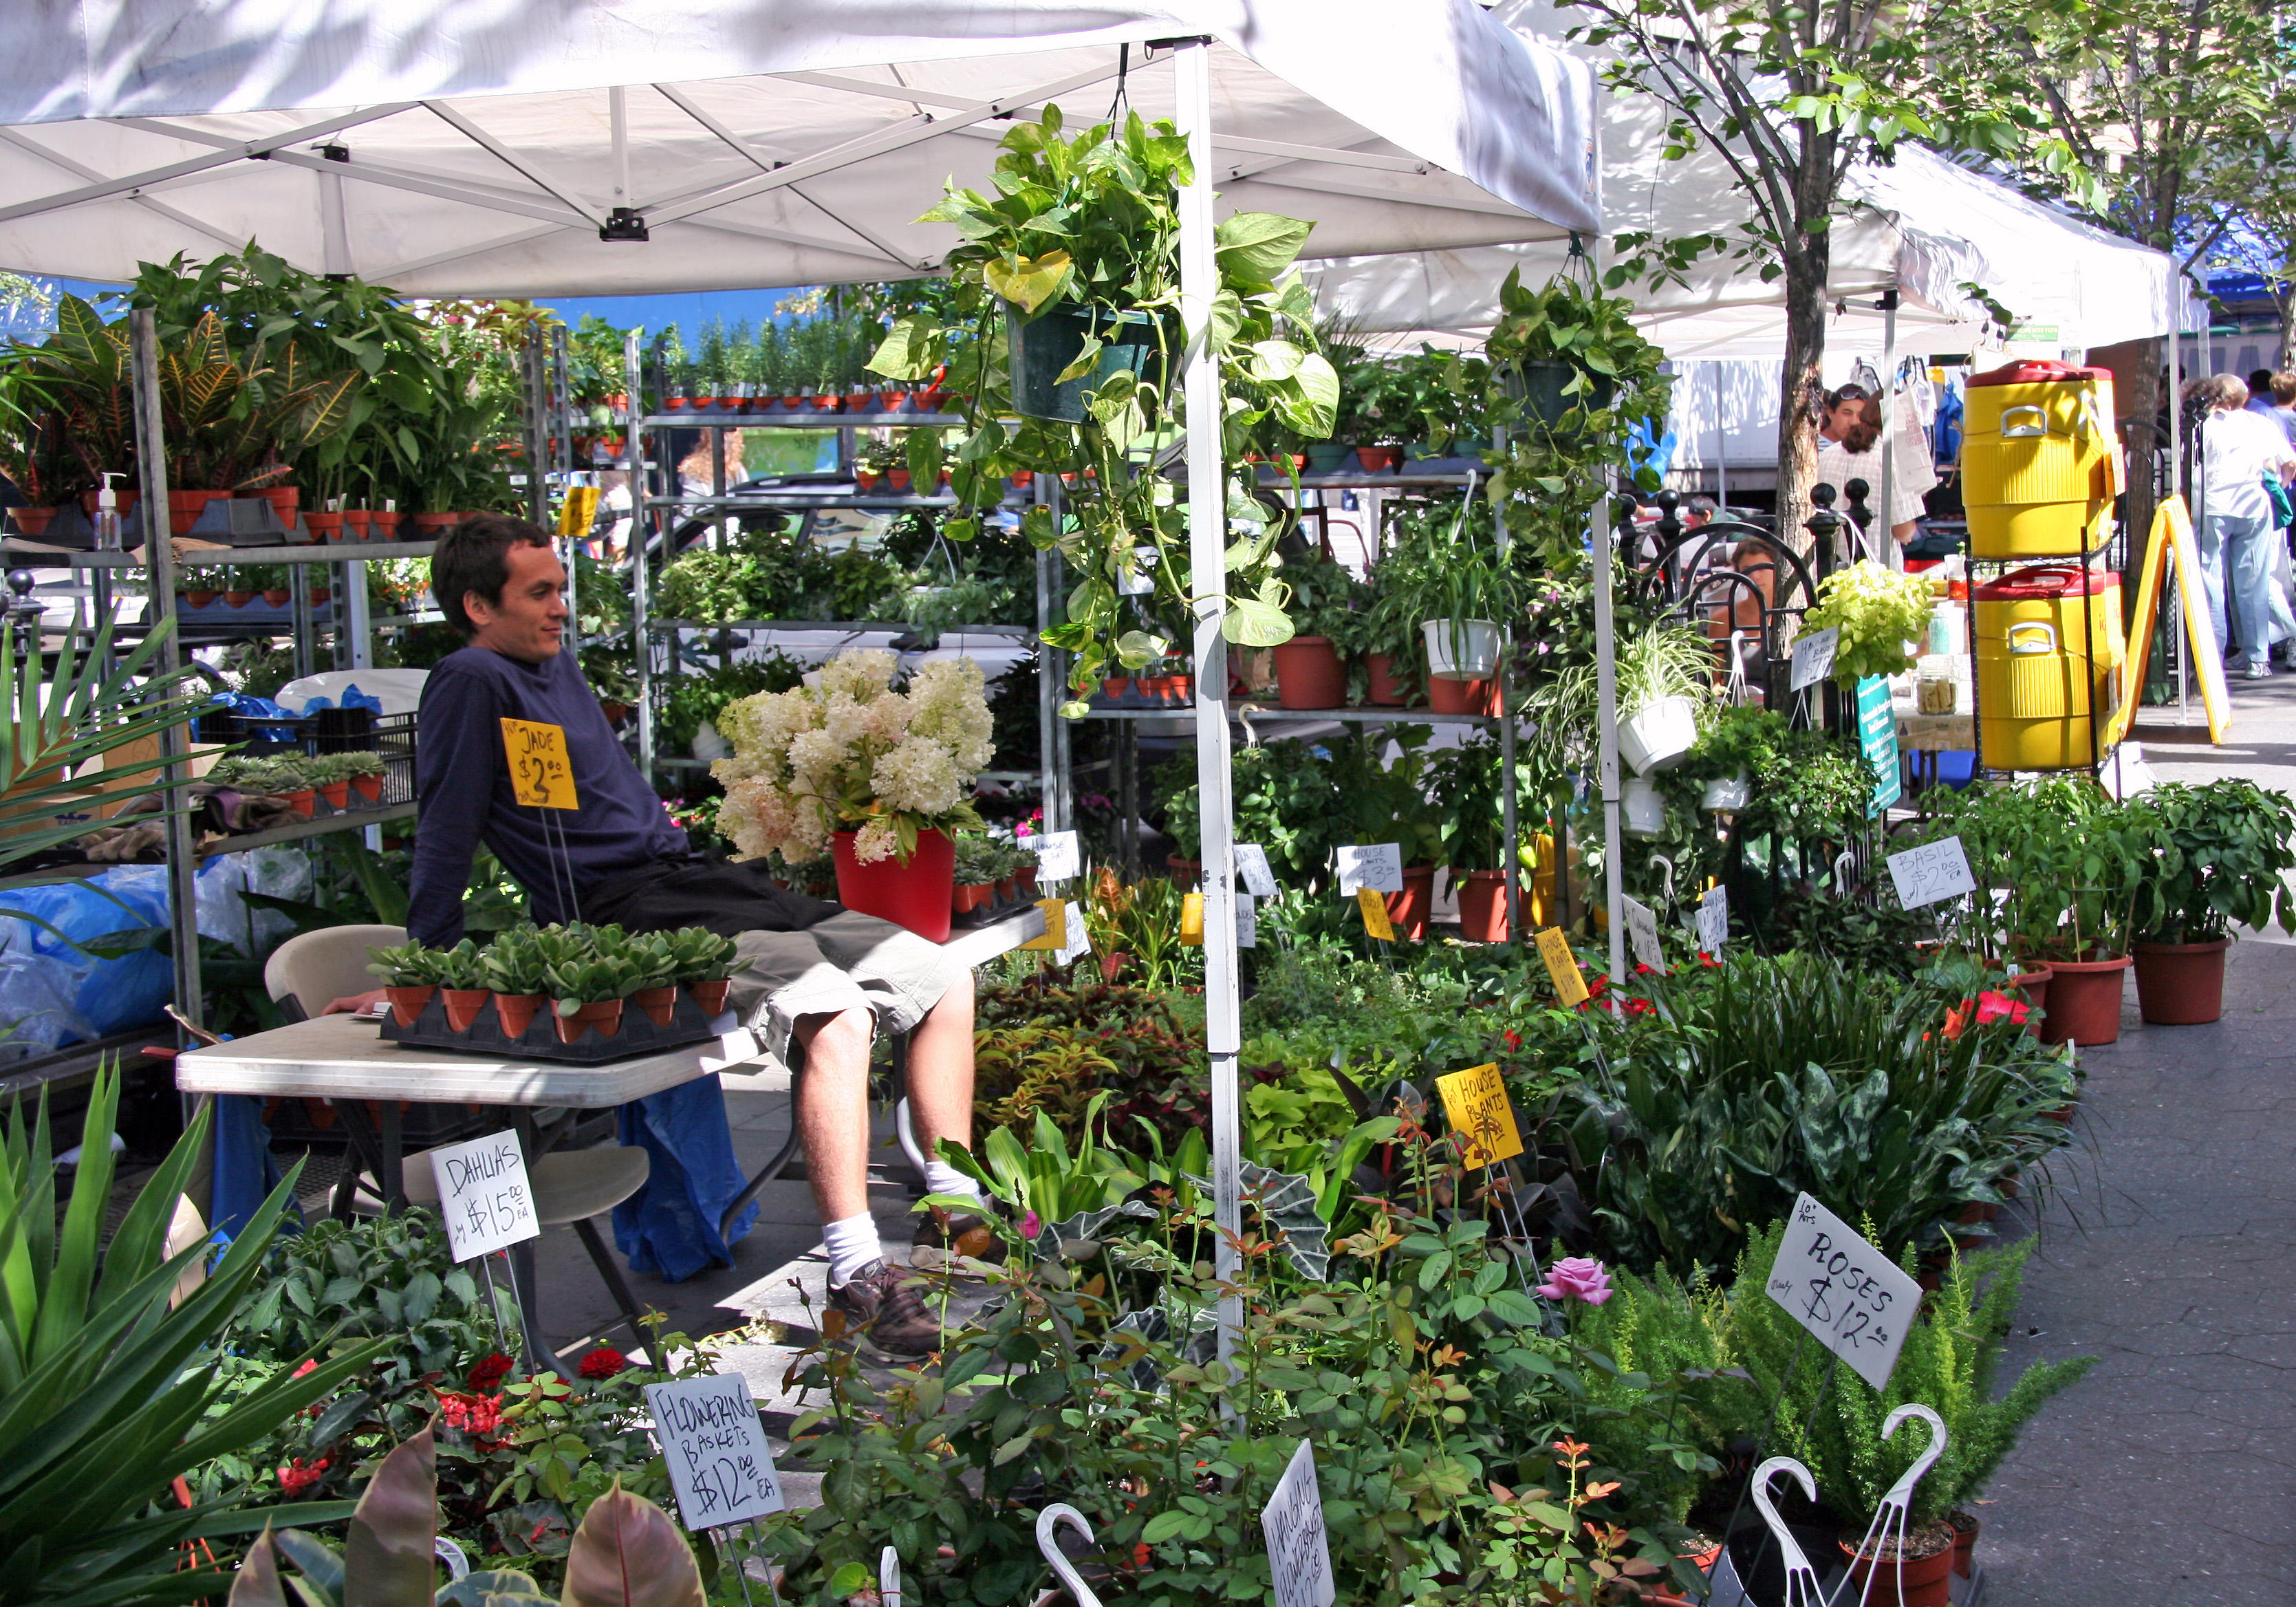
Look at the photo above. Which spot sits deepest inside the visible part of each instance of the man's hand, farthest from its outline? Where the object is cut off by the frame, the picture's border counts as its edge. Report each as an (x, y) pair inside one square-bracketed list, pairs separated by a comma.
[(359, 1004)]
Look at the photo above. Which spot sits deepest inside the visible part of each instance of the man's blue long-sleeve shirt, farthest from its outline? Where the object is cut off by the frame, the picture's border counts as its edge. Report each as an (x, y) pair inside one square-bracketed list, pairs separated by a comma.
[(464, 796)]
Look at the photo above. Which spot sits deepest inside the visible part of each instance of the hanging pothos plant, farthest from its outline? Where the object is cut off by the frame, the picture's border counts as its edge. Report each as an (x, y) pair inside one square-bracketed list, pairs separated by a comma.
[(1572, 382), (1087, 230)]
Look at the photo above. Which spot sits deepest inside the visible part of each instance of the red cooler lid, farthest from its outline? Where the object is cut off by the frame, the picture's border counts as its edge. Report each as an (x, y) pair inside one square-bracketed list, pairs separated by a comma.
[(2044, 583), (2037, 371)]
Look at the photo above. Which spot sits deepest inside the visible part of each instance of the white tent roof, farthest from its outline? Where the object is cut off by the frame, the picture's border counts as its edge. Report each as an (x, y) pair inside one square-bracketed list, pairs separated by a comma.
[(766, 142), (1923, 225)]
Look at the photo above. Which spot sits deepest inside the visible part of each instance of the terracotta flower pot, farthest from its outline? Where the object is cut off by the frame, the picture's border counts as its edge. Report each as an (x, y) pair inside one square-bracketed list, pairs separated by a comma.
[(239, 599), (1917, 1577), (278, 596), (406, 1003), (2180, 984), (1181, 690), (1482, 905), (185, 508), (2034, 985), (337, 794), (200, 598), (864, 479), (1116, 686), (1384, 689), (358, 524), (1309, 674), (1463, 697), (1407, 911), (900, 480), (304, 802), (322, 594), (515, 1012), (436, 524), (1027, 877), (32, 522), (1964, 1541), (285, 501), (2084, 1001), (463, 1006), (324, 526), (709, 996), (1379, 460), (965, 897), (659, 1003), (369, 787), (604, 1018)]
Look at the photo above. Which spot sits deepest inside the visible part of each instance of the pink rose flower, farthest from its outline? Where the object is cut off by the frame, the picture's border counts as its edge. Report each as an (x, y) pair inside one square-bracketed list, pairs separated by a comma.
[(1580, 1276)]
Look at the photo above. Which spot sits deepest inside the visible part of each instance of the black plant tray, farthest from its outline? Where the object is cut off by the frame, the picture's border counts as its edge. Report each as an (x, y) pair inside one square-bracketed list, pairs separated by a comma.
[(638, 1035)]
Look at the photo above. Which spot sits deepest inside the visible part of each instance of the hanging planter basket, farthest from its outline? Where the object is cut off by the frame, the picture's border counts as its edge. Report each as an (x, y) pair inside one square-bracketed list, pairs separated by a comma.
[(1641, 812), (1544, 382), (1044, 346), (1726, 794), (1658, 734), (1462, 650)]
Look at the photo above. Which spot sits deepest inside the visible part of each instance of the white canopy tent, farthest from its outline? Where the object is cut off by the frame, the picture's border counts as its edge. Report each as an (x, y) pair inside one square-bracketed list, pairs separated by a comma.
[(449, 146), (453, 147)]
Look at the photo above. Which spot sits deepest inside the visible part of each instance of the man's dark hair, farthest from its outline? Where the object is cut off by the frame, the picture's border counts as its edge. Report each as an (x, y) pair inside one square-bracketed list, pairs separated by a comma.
[(1698, 504), (473, 557), (2259, 383)]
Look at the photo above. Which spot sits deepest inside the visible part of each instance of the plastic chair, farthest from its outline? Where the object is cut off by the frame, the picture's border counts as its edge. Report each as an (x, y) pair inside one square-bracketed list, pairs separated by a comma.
[(571, 1187)]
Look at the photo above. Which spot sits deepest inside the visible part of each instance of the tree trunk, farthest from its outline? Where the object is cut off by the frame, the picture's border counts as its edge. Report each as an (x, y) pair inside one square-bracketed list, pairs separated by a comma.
[(1801, 392)]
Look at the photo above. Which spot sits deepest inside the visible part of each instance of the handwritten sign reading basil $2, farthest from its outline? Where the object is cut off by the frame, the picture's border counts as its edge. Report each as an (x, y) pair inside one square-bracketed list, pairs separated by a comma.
[(715, 1450), (1852, 1297)]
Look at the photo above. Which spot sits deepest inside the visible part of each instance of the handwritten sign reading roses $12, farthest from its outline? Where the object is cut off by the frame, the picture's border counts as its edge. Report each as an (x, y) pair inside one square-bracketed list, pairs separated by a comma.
[(1854, 1299)]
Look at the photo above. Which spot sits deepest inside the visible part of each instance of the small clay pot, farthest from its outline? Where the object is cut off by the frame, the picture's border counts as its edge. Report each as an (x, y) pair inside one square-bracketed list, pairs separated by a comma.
[(32, 522), (322, 594), (202, 598), (1027, 876), (239, 599), (305, 803), (1116, 686), (1383, 690), (1917, 1577), (1379, 460), (324, 526), (369, 787), (278, 596), (515, 1012), (406, 1003), (709, 996), (1965, 1540), (659, 1003), (337, 794), (463, 1006), (966, 899)]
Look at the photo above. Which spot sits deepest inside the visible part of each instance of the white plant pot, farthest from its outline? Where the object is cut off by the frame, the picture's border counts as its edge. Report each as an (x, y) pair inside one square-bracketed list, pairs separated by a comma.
[(1656, 735), (1469, 653), (1726, 795), (708, 744), (1641, 812)]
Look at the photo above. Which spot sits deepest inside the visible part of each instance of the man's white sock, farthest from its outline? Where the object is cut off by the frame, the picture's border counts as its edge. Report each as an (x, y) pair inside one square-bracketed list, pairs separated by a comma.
[(942, 1178), (852, 1244)]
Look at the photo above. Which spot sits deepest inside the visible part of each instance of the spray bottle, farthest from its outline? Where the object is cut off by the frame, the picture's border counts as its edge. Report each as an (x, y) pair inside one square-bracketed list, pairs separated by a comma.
[(107, 515)]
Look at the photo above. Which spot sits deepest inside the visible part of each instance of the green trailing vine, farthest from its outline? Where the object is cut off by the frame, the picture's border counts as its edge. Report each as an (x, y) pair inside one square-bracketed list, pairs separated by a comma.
[(1089, 224)]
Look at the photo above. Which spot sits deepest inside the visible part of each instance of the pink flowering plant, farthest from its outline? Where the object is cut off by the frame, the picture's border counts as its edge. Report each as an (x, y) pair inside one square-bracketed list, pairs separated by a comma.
[(1577, 1278), (846, 751)]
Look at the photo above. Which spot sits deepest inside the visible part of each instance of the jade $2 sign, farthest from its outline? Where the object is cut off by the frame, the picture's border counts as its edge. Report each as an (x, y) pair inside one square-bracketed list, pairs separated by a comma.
[(1851, 1297), (715, 1448)]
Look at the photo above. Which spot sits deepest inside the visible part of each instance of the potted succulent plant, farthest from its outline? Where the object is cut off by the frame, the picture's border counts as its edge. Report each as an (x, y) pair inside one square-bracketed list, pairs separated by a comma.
[(364, 770), (588, 974), (702, 964), (975, 874), (512, 969), (2219, 856), (410, 974), (463, 990)]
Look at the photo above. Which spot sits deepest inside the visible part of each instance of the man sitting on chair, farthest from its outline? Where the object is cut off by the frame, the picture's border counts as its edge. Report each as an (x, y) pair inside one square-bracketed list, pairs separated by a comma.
[(808, 972)]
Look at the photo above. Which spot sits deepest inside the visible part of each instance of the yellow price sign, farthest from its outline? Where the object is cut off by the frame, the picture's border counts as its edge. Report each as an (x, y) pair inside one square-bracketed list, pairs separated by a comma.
[(1191, 920), (1562, 966), (1373, 905), (1056, 927), (1476, 1101), (575, 513), (540, 773)]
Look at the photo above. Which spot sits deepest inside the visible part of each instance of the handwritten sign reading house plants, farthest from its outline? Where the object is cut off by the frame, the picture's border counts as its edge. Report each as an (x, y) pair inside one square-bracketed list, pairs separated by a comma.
[(1372, 864), (1851, 1297), (716, 1451), (1476, 1103)]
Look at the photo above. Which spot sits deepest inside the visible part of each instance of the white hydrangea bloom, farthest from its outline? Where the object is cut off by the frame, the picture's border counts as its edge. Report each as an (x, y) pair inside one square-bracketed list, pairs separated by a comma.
[(860, 674), (920, 776), (875, 840)]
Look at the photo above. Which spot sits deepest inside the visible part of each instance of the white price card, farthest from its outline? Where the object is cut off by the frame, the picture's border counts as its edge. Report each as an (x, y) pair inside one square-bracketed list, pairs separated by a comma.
[(484, 1195), (1299, 1551), (1247, 923), (1376, 865), (715, 1446), (1139, 577), (1058, 858), (1813, 657), (1642, 932), (1854, 1299), (1252, 864), (1077, 942), (1933, 870), (1714, 920)]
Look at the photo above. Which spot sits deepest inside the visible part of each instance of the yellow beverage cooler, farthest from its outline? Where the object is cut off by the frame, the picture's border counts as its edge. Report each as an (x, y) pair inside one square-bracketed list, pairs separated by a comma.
[(2049, 650), (2040, 463)]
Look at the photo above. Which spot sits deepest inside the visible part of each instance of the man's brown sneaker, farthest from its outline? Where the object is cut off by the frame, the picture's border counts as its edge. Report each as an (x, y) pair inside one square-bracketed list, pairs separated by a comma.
[(946, 1241), (884, 1314)]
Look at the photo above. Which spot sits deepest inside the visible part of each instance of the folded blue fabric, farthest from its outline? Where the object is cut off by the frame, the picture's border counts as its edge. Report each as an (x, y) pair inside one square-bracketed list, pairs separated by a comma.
[(669, 1227)]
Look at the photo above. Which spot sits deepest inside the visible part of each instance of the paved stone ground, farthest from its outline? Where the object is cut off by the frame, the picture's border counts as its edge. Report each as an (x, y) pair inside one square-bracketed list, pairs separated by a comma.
[(2167, 1477)]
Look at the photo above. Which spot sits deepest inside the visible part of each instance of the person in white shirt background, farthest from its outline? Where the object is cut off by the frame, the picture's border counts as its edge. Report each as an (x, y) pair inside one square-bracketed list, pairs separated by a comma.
[(1850, 447), (2237, 532)]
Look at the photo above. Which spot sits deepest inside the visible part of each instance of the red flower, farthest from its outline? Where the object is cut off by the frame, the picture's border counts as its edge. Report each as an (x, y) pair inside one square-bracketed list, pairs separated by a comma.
[(309, 1365), (2000, 1007), (604, 1362), (1512, 1042), (1140, 1556), (296, 1477), (1709, 959), (489, 1372), (474, 1414)]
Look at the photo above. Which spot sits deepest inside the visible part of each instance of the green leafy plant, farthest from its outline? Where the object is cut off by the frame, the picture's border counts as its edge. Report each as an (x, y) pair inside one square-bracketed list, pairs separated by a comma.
[(513, 963), (2060, 867), (2220, 858), (1879, 613), (1088, 224), (406, 966), (102, 1349)]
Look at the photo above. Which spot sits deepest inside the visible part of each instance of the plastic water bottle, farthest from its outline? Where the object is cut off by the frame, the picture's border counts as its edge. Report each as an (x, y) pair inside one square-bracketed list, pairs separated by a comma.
[(107, 516)]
